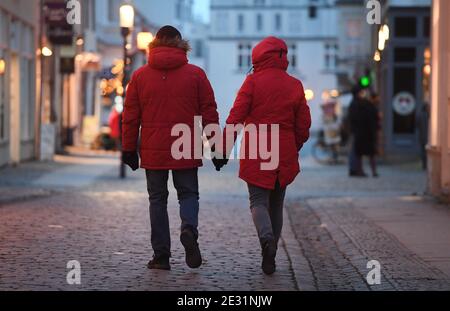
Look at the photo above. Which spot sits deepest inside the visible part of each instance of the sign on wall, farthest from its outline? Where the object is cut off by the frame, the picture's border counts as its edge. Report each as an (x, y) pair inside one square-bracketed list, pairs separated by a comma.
[(404, 103)]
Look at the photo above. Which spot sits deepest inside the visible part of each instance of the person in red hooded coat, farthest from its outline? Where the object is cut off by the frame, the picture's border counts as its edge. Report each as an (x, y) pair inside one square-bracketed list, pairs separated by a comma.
[(269, 96), (166, 92)]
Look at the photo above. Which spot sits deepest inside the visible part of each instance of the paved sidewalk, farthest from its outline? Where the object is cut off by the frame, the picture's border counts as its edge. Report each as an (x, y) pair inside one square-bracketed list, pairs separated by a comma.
[(105, 226), (35, 179), (341, 223)]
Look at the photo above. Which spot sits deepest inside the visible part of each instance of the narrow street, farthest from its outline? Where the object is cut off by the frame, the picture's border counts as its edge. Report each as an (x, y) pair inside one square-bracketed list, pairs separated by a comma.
[(77, 209)]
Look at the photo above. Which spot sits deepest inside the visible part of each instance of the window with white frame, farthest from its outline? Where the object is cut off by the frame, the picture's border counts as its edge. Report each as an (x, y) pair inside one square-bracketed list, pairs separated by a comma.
[(295, 22), (222, 22), (278, 22), (244, 56), (240, 22), (331, 54), (292, 56), (259, 22)]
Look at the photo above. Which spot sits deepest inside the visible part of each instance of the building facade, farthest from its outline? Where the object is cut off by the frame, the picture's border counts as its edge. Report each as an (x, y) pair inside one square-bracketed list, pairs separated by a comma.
[(18, 42), (439, 138), (354, 40), (307, 26)]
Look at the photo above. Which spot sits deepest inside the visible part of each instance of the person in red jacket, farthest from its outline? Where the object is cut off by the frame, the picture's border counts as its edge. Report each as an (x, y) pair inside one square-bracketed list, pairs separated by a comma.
[(269, 100), (166, 92)]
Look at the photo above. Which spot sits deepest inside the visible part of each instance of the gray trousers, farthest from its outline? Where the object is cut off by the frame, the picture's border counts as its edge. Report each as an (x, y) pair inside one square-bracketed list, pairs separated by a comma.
[(267, 211), (186, 183)]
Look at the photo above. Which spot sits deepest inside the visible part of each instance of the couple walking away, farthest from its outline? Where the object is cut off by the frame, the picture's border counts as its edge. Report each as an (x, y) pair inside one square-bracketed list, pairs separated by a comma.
[(169, 91)]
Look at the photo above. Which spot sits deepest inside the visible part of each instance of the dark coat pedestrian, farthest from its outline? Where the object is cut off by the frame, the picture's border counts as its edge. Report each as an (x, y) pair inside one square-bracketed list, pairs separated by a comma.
[(364, 125)]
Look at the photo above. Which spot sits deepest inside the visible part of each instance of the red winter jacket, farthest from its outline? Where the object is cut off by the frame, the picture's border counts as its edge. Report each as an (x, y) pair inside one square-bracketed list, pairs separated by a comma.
[(271, 96), (165, 92)]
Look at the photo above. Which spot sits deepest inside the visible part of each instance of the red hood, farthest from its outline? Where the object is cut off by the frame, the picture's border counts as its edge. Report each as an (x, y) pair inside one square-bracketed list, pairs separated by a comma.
[(167, 57), (270, 53)]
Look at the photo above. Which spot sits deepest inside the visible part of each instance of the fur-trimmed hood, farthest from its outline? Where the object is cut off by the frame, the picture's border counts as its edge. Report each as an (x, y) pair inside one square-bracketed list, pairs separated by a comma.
[(172, 43), (167, 54)]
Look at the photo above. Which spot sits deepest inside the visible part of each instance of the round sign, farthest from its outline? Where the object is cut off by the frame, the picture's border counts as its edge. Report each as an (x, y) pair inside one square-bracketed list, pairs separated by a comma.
[(404, 103)]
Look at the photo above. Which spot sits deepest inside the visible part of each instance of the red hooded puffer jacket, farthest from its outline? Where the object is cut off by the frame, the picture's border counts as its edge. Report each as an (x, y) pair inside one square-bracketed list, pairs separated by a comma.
[(165, 92), (271, 96)]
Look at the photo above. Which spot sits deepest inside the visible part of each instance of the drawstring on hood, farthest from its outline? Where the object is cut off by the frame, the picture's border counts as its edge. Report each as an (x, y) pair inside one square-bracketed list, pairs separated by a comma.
[(270, 53)]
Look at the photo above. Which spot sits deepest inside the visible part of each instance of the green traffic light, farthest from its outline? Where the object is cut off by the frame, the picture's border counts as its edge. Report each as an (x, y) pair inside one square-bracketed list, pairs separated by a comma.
[(365, 81)]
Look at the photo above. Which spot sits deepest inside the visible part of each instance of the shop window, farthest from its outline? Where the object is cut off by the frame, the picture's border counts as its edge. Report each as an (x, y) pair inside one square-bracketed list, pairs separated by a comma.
[(405, 55), (2, 106), (405, 27), (426, 27)]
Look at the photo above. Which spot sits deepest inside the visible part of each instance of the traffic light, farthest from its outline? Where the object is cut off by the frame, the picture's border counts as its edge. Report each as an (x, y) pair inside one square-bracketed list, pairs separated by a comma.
[(365, 81)]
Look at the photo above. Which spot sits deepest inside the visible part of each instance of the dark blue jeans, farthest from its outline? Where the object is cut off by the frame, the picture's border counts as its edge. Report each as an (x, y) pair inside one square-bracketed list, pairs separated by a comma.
[(186, 183)]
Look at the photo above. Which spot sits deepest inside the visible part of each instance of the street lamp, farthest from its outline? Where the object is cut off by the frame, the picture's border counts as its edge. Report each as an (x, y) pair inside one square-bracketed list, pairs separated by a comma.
[(126, 12), (2, 66), (143, 40), (46, 51)]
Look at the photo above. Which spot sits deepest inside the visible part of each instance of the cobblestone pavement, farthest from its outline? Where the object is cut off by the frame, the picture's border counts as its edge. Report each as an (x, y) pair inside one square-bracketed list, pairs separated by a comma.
[(104, 224), (106, 228), (339, 241)]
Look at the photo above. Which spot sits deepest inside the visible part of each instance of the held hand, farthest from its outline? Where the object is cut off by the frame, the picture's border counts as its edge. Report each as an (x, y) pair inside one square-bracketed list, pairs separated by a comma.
[(131, 158), (219, 163)]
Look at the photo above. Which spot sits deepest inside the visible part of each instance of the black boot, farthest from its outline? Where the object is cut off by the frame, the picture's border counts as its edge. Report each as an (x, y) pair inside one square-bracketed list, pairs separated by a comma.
[(160, 263), (269, 251), (189, 240)]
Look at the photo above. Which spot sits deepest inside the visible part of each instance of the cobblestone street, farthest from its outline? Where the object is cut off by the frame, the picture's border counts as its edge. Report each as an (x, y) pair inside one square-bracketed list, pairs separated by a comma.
[(333, 226)]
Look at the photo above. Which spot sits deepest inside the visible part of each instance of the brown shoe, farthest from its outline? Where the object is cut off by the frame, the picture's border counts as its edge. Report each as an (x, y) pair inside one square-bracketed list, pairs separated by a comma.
[(160, 263)]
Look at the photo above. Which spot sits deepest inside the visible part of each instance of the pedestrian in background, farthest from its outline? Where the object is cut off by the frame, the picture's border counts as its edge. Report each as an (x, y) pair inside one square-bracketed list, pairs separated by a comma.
[(270, 96), (364, 125), (165, 92)]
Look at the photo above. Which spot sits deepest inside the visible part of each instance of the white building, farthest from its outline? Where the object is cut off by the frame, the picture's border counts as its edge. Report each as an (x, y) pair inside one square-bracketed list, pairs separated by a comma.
[(307, 26), (179, 13)]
